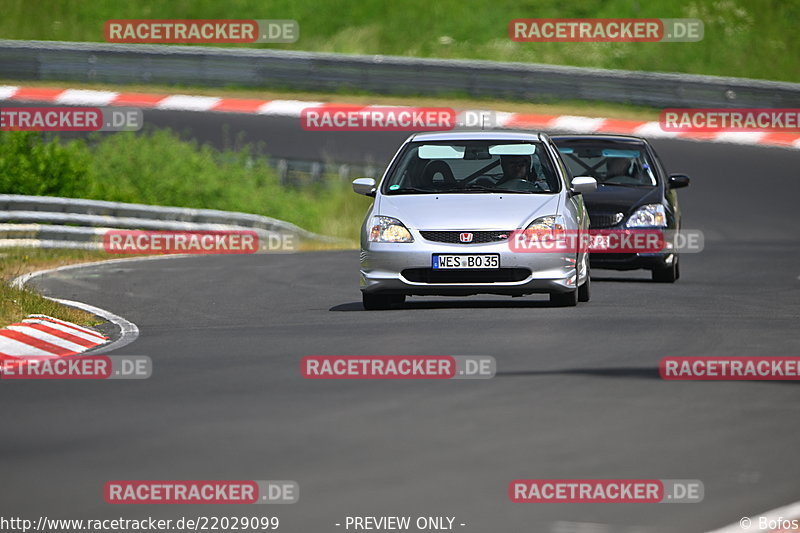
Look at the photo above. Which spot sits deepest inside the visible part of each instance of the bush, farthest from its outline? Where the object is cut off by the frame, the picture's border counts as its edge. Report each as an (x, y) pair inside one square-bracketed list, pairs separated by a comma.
[(29, 165), (158, 168)]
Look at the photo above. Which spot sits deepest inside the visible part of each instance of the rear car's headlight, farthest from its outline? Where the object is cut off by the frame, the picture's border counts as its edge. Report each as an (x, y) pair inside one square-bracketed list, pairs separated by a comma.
[(648, 216), (388, 229), (550, 222)]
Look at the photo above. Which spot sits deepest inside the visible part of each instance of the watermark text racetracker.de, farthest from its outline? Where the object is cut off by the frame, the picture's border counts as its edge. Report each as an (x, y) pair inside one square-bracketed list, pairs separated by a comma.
[(196, 242), (627, 241), (71, 119), (723, 119), (44, 524), (606, 491), (597, 30), (730, 368), (398, 367), (76, 367), (201, 492), (201, 31), (380, 118)]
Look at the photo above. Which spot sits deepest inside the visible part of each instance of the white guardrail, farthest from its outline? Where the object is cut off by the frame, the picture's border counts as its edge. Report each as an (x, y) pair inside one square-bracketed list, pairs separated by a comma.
[(53, 222)]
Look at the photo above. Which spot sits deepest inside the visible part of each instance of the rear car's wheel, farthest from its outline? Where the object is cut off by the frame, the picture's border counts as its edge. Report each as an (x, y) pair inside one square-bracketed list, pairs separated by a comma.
[(564, 299), (377, 301), (584, 291), (667, 274)]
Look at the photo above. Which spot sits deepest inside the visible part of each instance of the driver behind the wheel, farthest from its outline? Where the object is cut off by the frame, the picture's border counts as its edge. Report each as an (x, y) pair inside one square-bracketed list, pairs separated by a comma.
[(617, 167), (515, 167), (519, 174)]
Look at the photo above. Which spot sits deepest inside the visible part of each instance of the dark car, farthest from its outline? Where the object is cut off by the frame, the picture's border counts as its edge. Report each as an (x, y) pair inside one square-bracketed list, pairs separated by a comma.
[(633, 191)]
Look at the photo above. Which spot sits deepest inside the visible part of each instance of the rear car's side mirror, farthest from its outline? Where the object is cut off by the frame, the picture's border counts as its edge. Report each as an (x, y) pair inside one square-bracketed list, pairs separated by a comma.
[(676, 181), (365, 186), (582, 184)]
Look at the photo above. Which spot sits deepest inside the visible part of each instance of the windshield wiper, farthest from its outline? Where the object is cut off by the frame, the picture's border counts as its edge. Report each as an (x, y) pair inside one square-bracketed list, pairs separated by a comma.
[(410, 190), (484, 188), (612, 184)]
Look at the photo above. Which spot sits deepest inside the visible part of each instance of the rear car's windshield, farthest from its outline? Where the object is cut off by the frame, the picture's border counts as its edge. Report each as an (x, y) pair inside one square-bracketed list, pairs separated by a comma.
[(609, 163), (472, 167)]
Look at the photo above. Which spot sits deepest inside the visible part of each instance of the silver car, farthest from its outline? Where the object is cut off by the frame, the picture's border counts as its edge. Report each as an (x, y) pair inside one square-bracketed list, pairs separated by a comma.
[(447, 207)]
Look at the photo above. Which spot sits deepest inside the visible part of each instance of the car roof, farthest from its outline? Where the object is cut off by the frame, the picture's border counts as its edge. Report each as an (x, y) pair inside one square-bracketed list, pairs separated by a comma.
[(600, 137), (476, 136)]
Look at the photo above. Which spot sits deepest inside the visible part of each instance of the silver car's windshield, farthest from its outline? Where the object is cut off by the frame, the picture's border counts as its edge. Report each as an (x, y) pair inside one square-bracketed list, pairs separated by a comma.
[(609, 164), (484, 166)]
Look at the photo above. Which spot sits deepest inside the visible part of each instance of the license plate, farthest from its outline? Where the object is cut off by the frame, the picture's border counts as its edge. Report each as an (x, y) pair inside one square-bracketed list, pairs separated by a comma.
[(445, 261), (600, 243)]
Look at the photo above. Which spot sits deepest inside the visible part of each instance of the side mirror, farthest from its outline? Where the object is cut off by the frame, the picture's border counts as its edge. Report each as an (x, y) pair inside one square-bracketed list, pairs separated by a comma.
[(582, 184), (676, 181), (365, 186)]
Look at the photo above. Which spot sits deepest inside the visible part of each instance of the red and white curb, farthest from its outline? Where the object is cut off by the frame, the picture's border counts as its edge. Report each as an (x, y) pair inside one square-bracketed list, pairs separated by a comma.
[(45, 336), (27, 338), (293, 108)]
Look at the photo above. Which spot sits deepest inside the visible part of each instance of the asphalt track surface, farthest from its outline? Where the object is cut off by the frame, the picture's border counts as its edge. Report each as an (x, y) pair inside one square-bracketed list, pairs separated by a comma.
[(577, 393)]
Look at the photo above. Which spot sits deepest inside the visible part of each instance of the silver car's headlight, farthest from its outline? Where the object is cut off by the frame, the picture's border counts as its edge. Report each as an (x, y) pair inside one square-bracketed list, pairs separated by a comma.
[(388, 229), (648, 216), (550, 222)]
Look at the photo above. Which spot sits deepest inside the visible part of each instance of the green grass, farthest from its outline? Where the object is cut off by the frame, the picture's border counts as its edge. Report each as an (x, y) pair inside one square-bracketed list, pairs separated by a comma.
[(159, 168), (749, 38), (16, 304)]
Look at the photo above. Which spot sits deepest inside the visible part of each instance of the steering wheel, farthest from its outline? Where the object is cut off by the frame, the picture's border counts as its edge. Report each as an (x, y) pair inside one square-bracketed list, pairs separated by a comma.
[(484, 179)]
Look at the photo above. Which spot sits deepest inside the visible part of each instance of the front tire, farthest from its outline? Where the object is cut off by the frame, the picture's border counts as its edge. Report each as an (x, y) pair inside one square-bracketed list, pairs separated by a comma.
[(564, 299), (667, 274), (584, 291)]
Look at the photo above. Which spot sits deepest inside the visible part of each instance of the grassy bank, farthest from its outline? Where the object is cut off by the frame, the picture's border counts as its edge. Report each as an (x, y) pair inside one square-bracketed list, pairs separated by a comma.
[(159, 168), (16, 304), (749, 38)]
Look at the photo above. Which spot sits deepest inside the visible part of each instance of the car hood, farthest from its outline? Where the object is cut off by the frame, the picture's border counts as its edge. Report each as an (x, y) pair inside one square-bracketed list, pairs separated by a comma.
[(467, 211), (609, 198)]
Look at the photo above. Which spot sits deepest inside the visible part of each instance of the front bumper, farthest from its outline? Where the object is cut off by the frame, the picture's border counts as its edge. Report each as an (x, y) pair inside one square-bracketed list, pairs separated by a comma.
[(388, 268), (631, 261)]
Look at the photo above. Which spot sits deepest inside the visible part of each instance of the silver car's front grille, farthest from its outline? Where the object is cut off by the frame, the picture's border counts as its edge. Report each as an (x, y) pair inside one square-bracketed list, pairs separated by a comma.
[(500, 275), (466, 237)]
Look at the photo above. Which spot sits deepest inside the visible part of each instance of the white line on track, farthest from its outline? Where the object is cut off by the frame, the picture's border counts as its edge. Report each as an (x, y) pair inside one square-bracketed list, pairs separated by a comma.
[(653, 129), (7, 91), (86, 97), (184, 102), (740, 137), (573, 123), (129, 332), (289, 108)]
